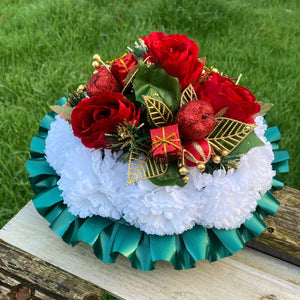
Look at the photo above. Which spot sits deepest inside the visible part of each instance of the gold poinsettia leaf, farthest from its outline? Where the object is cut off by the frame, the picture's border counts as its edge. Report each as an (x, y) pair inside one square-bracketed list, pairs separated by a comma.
[(187, 95), (228, 134), (159, 113), (142, 165)]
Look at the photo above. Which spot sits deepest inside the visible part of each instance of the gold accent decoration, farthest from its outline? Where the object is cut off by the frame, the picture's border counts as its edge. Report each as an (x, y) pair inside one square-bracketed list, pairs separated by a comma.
[(183, 170), (81, 88), (97, 60), (188, 95), (116, 59), (201, 167), (97, 57), (228, 134), (159, 112), (96, 64), (239, 78), (186, 179), (142, 165), (224, 153), (216, 159)]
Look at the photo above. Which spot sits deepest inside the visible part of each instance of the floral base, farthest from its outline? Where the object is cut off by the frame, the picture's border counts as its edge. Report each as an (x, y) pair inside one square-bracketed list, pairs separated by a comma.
[(109, 237)]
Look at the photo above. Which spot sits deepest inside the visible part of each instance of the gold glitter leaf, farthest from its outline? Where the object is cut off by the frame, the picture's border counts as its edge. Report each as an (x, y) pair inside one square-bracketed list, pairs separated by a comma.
[(188, 95), (159, 113), (142, 165), (228, 134)]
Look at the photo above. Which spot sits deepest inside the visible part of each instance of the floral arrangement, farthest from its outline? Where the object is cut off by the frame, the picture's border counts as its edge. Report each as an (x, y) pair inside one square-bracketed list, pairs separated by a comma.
[(157, 153)]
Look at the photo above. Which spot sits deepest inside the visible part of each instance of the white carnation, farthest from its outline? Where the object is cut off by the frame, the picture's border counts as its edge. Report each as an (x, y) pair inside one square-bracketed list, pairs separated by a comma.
[(92, 185)]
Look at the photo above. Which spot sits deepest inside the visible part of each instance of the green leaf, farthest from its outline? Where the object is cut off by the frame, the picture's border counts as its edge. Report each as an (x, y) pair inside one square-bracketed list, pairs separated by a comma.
[(170, 177), (63, 111), (252, 140), (156, 83), (264, 107)]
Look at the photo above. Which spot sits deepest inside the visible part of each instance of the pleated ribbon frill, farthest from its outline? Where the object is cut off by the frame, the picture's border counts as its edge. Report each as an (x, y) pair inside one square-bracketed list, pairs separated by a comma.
[(110, 237)]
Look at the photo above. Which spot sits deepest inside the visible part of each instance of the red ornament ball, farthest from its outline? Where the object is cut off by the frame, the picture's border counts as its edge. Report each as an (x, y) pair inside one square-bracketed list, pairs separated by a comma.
[(197, 152), (101, 81), (195, 120)]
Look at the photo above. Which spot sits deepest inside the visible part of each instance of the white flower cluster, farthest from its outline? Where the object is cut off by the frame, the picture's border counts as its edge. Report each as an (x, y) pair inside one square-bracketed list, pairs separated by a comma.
[(94, 183)]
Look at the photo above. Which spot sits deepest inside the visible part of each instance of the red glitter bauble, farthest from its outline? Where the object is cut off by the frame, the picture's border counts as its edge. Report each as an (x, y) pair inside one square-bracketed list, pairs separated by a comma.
[(195, 120), (197, 152), (101, 81)]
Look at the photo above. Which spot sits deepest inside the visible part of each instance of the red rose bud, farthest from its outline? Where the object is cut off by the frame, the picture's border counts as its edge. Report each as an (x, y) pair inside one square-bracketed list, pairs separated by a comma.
[(101, 81), (176, 54), (197, 152), (195, 120), (222, 92), (122, 67), (93, 117)]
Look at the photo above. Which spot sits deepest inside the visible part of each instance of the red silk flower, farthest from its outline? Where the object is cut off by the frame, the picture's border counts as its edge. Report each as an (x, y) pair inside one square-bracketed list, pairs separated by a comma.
[(221, 92), (176, 54), (95, 116)]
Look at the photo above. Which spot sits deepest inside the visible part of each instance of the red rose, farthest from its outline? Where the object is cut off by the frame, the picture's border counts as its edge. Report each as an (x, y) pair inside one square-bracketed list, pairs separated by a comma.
[(95, 116), (221, 92), (176, 54)]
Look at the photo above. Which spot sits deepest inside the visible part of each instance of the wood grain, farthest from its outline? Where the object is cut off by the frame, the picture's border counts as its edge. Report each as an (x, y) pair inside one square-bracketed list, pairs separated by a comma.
[(24, 276), (283, 229), (247, 275)]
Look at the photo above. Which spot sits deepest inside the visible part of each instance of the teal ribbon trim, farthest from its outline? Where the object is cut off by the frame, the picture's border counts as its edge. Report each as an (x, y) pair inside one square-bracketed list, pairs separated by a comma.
[(109, 238)]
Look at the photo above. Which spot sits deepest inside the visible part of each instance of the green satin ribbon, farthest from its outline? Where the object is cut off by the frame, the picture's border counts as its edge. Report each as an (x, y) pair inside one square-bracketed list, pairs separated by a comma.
[(109, 238)]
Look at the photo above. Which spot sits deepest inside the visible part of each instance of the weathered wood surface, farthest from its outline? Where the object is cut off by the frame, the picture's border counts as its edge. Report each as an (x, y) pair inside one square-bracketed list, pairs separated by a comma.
[(246, 275), (283, 231), (24, 276)]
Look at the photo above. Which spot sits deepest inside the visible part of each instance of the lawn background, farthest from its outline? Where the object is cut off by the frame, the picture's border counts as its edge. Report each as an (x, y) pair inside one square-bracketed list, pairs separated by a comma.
[(45, 44)]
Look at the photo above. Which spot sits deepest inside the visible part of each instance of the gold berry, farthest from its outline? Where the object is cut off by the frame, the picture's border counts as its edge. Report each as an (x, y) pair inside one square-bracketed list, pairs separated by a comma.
[(214, 70), (81, 88), (97, 57), (96, 64), (186, 179), (201, 167), (224, 153), (217, 159), (183, 170)]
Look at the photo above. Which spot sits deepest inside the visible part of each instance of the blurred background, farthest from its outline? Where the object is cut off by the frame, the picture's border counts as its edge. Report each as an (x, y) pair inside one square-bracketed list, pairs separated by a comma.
[(44, 44)]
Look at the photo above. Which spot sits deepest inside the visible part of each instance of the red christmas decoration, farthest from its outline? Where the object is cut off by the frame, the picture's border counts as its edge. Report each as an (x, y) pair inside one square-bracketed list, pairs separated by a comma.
[(197, 152), (166, 142), (195, 120), (121, 66), (101, 81)]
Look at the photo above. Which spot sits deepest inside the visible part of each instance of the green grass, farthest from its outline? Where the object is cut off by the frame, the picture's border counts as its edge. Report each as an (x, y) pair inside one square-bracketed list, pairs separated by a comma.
[(45, 44)]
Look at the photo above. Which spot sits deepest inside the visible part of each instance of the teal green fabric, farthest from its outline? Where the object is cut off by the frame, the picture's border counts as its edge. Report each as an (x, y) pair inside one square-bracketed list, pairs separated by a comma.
[(109, 238)]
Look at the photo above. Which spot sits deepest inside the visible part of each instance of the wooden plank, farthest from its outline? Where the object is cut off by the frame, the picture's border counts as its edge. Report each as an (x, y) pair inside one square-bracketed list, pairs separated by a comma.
[(230, 278), (23, 276), (283, 231)]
